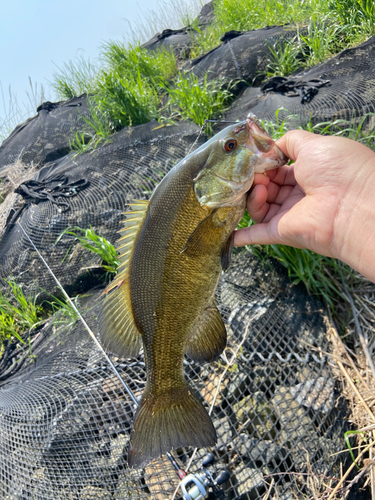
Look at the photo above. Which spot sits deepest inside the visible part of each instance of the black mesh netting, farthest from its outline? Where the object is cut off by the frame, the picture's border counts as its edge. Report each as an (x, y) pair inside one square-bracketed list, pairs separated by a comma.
[(180, 41), (127, 168), (45, 137), (243, 56), (66, 419), (345, 89)]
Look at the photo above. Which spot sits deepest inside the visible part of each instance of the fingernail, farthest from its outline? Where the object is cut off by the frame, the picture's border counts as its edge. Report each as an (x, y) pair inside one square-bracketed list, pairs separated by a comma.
[(251, 195)]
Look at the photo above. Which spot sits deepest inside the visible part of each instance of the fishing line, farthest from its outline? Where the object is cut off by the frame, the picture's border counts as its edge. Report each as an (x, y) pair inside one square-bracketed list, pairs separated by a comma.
[(91, 333), (203, 128), (181, 473)]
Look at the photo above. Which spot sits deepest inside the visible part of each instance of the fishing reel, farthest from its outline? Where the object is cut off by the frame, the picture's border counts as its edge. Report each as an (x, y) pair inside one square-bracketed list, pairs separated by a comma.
[(195, 486)]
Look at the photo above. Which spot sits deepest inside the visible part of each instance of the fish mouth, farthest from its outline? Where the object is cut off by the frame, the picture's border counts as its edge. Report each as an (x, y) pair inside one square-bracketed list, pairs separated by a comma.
[(235, 184), (261, 144)]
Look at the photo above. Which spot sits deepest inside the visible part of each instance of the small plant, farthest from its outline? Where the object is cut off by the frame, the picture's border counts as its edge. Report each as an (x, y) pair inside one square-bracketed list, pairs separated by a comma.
[(191, 99), (284, 59), (323, 39), (360, 14), (74, 78), (63, 312), (18, 314), (129, 62), (254, 14), (91, 241), (124, 102)]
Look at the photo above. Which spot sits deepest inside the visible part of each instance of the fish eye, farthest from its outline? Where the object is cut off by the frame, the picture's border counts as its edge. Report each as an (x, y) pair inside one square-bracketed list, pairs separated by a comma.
[(230, 144)]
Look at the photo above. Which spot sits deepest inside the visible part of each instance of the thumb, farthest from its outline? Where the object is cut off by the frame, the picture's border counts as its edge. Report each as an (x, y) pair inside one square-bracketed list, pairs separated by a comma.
[(294, 141)]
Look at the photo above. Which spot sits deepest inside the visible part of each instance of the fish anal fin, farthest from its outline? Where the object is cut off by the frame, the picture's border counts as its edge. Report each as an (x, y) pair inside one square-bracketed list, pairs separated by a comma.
[(167, 422), (208, 337), (226, 252), (118, 332)]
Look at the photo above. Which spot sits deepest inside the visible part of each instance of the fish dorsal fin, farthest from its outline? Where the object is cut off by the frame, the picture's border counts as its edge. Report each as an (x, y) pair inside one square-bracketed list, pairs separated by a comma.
[(132, 223), (208, 336), (117, 328)]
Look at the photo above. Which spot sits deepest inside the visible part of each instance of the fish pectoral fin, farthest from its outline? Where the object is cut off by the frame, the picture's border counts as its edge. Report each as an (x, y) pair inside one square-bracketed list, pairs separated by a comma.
[(209, 336), (118, 332), (200, 237), (226, 252), (173, 420)]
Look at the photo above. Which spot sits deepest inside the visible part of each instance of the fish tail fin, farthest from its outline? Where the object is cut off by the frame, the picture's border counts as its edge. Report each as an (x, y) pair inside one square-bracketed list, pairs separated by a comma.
[(168, 422)]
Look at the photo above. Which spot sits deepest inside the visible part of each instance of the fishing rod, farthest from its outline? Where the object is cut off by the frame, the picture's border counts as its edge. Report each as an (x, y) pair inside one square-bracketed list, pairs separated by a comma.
[(193, 486)]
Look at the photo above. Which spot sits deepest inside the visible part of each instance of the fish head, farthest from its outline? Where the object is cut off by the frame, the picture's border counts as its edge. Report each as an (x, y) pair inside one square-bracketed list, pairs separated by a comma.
[(235, 155)]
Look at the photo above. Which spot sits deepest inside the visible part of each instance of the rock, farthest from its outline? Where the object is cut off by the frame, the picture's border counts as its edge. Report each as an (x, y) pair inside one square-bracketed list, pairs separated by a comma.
[(206, 15), (256, 449), (129, 485), (161, 479), (94, 493), (297, 430), (223, 431), (250, 482), (316, 394), (255, 415), (238, 384), (211, 383)]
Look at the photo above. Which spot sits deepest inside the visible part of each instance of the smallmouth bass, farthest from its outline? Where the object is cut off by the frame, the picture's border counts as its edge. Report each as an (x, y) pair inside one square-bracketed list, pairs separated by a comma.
[(173, 251)]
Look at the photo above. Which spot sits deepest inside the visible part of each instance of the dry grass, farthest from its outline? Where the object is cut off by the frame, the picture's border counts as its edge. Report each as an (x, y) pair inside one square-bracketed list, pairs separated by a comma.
[(172, 14), (358, 387), (11, 177), (355, 368)]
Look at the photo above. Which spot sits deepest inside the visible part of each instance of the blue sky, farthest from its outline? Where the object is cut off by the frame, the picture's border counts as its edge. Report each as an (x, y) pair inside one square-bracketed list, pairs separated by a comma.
[(34, 34)]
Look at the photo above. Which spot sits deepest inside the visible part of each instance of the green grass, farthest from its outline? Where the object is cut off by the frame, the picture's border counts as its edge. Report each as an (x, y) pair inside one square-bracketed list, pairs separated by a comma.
[(126, 91), (131, 61), (123, 102), (18, 314), (285, 58), (63, 313), (332, 25), (244, 15), (132, 86), (359, 14), (191, 99), (74, 78), (95, 243)]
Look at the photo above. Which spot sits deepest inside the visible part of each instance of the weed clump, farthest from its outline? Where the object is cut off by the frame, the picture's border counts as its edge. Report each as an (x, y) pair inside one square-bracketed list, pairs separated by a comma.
[(18, 314), (192, 99)]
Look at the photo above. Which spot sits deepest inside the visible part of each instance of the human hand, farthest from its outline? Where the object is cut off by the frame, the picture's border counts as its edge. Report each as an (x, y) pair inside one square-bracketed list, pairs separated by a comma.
[(325, 201)]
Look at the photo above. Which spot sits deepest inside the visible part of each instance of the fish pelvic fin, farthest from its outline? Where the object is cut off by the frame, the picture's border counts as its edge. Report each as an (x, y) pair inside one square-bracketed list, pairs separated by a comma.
[(168, 422), (117, 328), (209, 336), (226, 252)]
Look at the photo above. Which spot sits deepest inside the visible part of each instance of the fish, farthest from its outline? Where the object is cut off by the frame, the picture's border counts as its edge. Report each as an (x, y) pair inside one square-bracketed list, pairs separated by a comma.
[(173, 250)]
